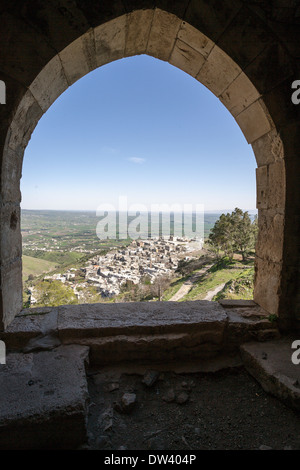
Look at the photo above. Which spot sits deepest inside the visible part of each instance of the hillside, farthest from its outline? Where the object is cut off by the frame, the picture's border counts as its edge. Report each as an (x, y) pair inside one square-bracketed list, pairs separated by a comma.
[(36, 266)]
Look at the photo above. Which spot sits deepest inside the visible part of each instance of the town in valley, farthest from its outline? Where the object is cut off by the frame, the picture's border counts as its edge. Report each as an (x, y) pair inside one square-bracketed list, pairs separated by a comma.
[(65, 262)]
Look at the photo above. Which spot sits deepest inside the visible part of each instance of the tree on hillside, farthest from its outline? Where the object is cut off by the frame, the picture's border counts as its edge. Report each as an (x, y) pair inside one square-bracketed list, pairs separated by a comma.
[(221, 236), (244, 232), (234, 232)]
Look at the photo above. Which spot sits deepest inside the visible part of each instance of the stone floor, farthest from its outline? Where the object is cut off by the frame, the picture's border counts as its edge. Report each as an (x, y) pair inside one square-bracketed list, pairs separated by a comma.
[(46, 394), (174, 410)]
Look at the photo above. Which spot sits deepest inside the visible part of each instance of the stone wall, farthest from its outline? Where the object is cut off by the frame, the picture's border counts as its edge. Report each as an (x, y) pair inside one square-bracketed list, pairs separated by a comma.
[(244, 52)]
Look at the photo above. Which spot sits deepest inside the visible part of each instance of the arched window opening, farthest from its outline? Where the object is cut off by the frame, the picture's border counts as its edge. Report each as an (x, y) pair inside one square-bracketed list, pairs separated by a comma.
[(164, 36), (137, 133)]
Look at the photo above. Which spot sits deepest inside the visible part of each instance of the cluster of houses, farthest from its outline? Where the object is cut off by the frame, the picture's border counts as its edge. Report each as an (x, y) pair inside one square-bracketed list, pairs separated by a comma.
[(151, 258), (142, 258)]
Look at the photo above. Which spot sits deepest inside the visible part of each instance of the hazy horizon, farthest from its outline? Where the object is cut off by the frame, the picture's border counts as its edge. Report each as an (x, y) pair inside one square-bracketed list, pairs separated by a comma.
[(210, 211)]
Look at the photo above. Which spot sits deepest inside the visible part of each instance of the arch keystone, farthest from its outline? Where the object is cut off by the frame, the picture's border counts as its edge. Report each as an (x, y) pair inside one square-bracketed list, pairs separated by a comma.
[(139, 27), (164, 30)]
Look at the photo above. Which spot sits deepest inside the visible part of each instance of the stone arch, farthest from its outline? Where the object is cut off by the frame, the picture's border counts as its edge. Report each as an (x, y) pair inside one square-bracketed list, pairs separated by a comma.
[(168, 37)]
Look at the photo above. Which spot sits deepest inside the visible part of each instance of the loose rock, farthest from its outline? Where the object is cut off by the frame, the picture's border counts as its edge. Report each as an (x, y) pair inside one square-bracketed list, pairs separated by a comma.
[(127, 403), (150, 377), (112, 387), (182, 398), (105, 420), (169, 396)]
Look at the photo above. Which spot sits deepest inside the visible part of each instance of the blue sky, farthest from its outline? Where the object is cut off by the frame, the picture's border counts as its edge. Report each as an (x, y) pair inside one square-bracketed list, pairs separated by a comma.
[(140, 128)]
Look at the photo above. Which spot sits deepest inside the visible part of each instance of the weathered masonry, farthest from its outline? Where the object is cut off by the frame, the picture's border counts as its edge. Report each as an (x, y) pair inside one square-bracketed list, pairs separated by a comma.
[(246, 53)]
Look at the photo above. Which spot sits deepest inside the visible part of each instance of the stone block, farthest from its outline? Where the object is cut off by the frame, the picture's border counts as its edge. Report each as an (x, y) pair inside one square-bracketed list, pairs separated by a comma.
[(218, 71), (271, 365), (44, 399), (139, 26), (11, 241), (50, 83), (10, 292), (267, 284), (268, 148), (271, 236), (30, 324), (186, 58), (10, 177), (161, 348), (23, 123), (246, 329), (79, 58), (164, 30), (240, 94), (254, 122), (271, 186), (110, 39), (262, 182), (277, 185), (136, 318), (195, 39), (158, 331)]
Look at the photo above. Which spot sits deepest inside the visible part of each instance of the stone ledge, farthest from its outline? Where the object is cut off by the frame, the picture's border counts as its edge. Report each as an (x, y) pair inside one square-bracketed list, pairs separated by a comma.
[(100, 320), (45, 402), (271, 365), (30, 324), (164, 331), (154, 331)]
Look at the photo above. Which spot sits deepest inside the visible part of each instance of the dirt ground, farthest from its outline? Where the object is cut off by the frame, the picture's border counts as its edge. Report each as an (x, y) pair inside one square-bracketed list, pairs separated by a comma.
[(195, 411)]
